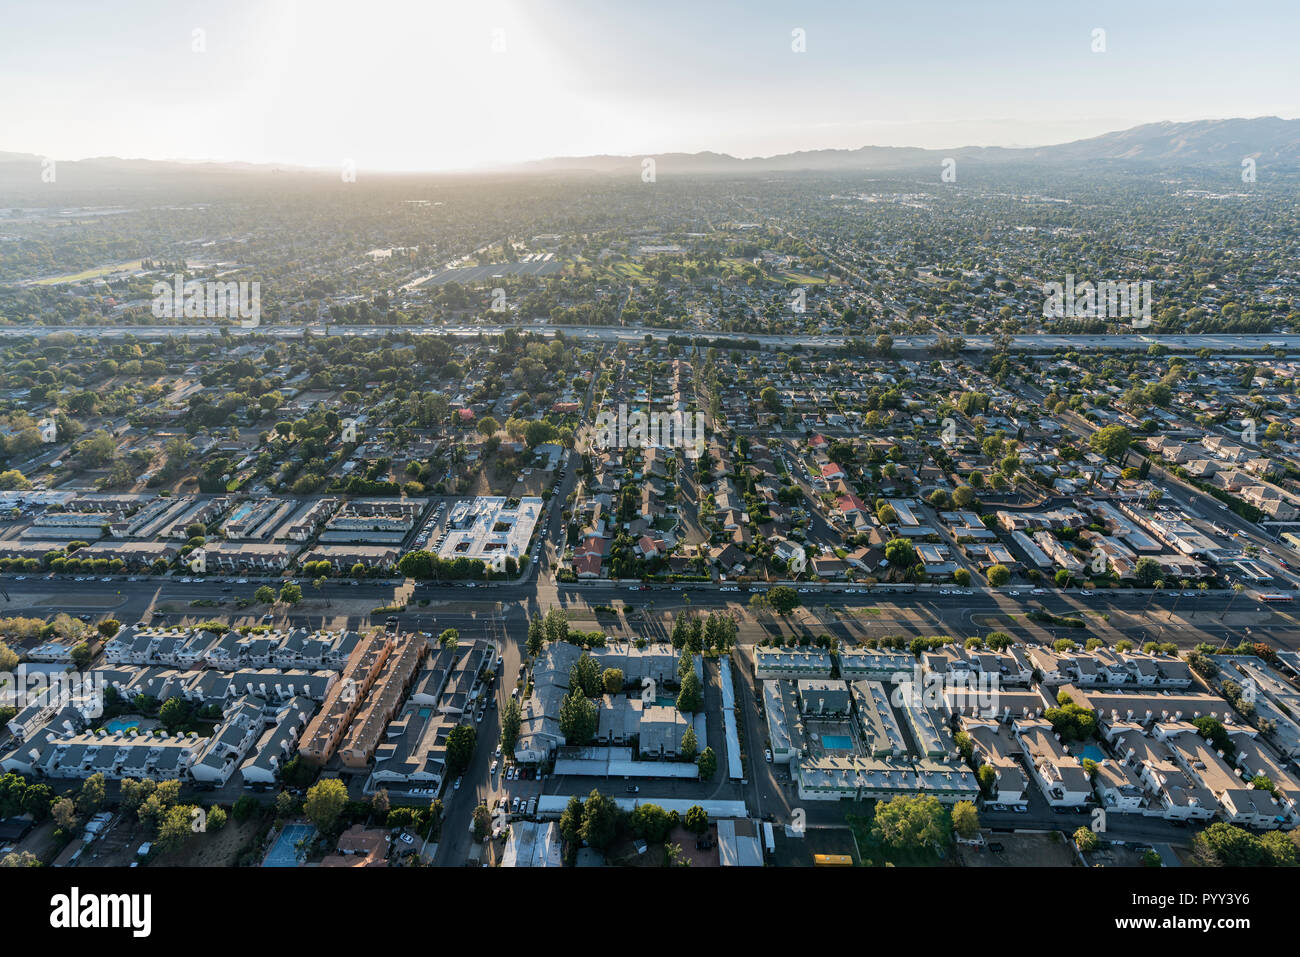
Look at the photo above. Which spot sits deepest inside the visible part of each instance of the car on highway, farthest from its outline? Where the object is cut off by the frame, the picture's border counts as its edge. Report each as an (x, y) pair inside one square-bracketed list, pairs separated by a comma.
[(632, 789), (456, 786)]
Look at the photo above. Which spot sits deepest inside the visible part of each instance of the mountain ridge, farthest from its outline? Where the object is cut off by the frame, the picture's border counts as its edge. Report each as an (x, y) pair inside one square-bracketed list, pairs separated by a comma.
[(1269, 140)]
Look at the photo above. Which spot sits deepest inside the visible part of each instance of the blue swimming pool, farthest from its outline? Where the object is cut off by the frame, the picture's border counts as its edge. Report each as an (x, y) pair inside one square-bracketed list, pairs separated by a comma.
[(121, 724), (837, 742), (285, 853), (1091, 751)]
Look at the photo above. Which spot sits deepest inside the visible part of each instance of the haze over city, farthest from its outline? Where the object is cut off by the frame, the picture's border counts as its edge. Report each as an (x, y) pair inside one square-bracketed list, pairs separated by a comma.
[(439, 85)]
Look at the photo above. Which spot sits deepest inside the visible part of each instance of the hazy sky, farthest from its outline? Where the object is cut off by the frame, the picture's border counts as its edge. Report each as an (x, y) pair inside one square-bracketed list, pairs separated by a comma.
[(416, 84)]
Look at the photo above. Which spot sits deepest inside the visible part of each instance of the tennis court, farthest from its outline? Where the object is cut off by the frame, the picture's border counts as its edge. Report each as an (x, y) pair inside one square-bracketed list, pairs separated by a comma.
[(284, 852)]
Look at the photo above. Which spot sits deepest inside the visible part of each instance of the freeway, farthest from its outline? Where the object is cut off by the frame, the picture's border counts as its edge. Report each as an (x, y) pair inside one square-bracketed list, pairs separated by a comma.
[(1168, 615), (1038, 342)]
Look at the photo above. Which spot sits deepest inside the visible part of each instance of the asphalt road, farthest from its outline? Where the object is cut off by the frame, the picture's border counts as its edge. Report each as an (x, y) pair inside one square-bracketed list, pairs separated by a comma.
[(1221, 343)]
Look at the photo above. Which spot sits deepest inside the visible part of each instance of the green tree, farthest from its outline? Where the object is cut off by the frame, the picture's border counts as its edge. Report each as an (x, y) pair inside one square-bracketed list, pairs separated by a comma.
[(900, 553), (460, 748), (1085, 838), (264, 595), (697, 819), (64, 813), (482, 822), (325, 802), (912, 822), (599, 820), (571, 820), (174, 713), (999, 575), (586, 676), (556, 625), (690, 699), (707, 762), (965, 819), (90, 797), (1112, 441), (783, 599), (690, 746), (1225, 845), (652, 823), (578, 718), (175, 827), (511, 720), (536, 636), (290, 593)]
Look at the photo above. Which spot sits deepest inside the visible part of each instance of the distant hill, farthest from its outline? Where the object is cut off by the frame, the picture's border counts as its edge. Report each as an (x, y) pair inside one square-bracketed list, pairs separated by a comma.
[(1269, 140)]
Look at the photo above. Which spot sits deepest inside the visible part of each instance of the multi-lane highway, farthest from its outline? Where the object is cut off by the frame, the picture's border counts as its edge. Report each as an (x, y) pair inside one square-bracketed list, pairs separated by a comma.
[(1038, 342), (1166, 615)]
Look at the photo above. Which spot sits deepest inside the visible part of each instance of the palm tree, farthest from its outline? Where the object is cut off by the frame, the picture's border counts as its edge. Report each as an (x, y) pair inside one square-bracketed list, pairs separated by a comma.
[(1185, 584), (1155, 590), (1237, 589)]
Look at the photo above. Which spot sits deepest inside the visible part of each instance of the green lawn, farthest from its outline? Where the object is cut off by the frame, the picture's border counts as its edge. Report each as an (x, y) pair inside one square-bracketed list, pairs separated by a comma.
[(90, 273)]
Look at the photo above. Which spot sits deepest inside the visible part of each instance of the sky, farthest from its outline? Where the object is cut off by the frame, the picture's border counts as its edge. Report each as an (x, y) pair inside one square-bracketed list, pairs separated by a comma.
[(437, 85)]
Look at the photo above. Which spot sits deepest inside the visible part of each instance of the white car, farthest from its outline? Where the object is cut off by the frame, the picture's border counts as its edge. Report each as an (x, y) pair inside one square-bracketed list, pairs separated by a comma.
[(767, 753), (457, 784), (492, 769)]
